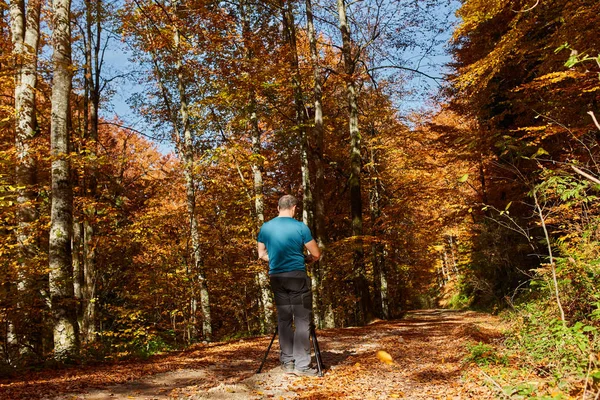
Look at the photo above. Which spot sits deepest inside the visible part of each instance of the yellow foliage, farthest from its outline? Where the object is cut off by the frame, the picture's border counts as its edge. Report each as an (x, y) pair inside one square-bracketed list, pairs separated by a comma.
[(476, 12)]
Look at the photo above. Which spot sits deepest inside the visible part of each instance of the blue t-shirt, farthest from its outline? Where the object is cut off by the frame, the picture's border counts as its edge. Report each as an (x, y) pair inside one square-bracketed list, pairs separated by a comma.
[(285, 238)]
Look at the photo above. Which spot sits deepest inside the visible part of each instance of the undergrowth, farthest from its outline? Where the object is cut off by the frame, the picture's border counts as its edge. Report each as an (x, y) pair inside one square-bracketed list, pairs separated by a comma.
[(542, 357)]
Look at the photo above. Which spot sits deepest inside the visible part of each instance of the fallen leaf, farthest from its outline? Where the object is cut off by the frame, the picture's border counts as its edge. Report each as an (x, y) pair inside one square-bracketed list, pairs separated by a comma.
[(385, 357)]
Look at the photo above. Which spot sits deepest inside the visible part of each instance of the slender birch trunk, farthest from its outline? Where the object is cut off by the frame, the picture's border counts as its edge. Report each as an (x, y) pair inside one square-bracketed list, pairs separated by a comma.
[(452, 255), (25, 32), (360, 281), (323, 318), (262, 277), (257, 171), (188, 157), (66, 333)]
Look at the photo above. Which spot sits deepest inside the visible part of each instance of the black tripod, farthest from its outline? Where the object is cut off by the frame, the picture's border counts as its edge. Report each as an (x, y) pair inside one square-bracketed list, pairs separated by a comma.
[(315, 343)]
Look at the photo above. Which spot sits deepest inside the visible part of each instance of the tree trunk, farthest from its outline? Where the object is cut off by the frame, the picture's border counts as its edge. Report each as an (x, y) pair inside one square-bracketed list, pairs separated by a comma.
[(385, 307), (323, 318), (257, 171), (289, 26), (445, 266), (78, 278), (378, 247), (188, 157), (92, 79), (262, 277), (360, 281), (308, 214), (452, 256), (25, 32), (89, 280), (66, 333)]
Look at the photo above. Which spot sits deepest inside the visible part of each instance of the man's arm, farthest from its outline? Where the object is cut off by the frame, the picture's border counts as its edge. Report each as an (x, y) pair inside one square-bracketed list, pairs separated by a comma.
[(314, 253), (262, 252)]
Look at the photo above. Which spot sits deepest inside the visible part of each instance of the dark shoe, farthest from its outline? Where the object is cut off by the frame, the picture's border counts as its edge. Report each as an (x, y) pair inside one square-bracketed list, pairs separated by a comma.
[(305, 372), (288, 367)]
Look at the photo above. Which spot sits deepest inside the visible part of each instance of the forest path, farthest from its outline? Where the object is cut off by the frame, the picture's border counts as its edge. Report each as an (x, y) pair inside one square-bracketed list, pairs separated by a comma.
[(427, 346)]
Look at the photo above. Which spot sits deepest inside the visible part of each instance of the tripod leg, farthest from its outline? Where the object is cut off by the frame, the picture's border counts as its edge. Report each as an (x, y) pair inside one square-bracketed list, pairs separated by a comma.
[(267, 352), (318, 358)]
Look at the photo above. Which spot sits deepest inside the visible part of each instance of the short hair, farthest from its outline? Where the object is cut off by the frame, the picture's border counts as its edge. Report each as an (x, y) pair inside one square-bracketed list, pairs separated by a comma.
[(286, 202)]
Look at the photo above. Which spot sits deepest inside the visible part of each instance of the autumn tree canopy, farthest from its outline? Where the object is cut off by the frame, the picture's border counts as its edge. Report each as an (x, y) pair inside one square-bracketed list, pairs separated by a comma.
[(111, 248)]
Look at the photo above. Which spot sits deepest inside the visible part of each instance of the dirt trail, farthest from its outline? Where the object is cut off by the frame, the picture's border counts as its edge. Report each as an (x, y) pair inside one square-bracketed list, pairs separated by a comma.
[(427, 347)]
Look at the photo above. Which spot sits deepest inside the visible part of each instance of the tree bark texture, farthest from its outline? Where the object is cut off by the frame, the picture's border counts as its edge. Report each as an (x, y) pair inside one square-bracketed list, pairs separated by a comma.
[(262, 277), (92, 82), (25, 32), (360, 281), (78, 281), (301, 126), (289, 28), (319, 269), (257, 169), (188, 157), (378, 247), (66, 333)]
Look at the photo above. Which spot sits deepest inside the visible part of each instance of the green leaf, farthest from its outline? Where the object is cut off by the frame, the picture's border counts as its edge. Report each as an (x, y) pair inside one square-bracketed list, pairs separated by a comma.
[(540, 152), (463, 178), (563, 46), (573, 60)]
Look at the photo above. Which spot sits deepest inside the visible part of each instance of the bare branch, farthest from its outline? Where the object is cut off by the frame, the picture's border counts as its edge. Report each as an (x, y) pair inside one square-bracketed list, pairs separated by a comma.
[(131, 130), (495, 383), (585, 174), (591, 113), (529, 9), (434, 78)]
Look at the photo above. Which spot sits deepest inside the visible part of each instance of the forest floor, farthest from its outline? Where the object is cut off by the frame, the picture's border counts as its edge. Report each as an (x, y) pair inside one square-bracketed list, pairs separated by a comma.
[(428, 348)]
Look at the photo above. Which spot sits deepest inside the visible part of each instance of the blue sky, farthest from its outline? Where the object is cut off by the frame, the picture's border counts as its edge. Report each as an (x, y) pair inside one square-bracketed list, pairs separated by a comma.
[(117, 63)]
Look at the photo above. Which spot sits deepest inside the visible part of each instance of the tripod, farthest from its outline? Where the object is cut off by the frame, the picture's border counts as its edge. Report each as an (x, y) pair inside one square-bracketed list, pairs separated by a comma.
[(316, 348)]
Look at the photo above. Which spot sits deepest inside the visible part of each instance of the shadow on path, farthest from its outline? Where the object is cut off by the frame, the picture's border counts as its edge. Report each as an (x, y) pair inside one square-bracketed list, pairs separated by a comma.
[(427, 348)]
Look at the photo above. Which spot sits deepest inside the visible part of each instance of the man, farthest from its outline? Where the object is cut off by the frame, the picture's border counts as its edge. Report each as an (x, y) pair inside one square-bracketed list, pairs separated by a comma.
[(281, 242)]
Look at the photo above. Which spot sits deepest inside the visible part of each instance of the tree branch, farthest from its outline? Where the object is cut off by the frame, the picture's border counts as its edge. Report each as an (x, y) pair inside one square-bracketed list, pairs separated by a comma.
[(585, 174), (591, 113), (529, 9), (434, 78)]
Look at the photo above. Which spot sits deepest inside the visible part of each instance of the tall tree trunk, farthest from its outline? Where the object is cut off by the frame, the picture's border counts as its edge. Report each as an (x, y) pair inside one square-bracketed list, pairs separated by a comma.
[(66, 333), (301, 126), (360, 281), (25, 31), (289, 27), (445, 265), (78, 279), (188, 157), (378, 247), (257, 171), (93, 71), (452, 255), (262, 276), (323, 318)]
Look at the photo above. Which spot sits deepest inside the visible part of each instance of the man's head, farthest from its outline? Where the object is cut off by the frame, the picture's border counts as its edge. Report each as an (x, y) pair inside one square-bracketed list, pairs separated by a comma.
[(287, 203)]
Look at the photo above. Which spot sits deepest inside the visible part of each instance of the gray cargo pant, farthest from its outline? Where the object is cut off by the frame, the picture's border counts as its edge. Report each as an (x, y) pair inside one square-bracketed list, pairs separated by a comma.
[(293, 299)]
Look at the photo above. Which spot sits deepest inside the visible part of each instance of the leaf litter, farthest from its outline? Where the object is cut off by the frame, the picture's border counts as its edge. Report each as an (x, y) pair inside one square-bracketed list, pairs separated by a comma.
[(418, 357)]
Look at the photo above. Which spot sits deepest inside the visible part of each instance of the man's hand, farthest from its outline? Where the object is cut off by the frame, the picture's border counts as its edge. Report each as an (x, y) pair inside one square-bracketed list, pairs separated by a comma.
[(309, 259), (314, 253), (262, 252)]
